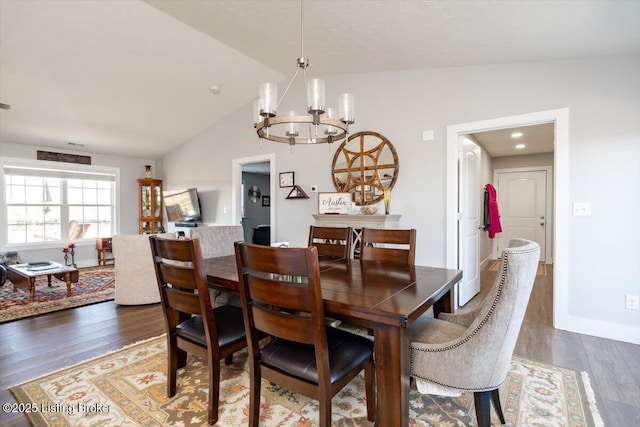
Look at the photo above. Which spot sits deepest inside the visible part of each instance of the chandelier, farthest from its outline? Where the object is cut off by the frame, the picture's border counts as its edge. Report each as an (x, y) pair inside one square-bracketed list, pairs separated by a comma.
[(319, 126)]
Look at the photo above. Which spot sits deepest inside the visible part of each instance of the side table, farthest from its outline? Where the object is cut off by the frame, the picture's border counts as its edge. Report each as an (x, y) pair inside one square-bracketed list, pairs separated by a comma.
[(104, 248)]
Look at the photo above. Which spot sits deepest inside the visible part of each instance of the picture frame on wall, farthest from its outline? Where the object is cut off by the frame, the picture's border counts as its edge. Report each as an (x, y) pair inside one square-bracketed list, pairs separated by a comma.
[(287, 179), (266, 200)]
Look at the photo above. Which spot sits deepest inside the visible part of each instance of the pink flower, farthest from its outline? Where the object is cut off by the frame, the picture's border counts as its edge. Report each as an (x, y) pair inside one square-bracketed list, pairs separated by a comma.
[(65, 249), (72, 245)]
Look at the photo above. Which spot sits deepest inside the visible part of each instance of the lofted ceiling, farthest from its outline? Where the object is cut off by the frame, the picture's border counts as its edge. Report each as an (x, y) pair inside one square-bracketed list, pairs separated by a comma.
[(133, 77)]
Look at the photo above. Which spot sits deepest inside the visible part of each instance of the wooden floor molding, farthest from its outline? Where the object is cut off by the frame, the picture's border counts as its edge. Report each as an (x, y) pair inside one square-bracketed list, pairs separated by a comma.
[(35, 346)]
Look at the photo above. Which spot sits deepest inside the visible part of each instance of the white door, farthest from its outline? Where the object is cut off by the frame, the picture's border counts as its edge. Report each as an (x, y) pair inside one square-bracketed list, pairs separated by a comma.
[(522, 198), (470, 193)]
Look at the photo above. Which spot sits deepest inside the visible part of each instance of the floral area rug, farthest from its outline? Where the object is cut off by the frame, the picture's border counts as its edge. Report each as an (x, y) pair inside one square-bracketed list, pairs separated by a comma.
[(128, 387), (95, 284)]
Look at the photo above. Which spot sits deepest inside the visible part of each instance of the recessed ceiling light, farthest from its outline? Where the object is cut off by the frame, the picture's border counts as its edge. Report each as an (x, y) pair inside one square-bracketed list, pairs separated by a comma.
[(516, 135), (520, 146), (215, 89)]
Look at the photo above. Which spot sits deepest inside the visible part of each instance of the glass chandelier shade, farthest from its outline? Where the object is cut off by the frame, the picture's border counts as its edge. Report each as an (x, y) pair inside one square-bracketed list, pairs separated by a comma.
[(316, 127)]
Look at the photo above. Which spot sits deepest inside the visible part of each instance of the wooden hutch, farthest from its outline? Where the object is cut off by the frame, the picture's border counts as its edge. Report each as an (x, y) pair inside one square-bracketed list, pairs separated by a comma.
[(150, 206)]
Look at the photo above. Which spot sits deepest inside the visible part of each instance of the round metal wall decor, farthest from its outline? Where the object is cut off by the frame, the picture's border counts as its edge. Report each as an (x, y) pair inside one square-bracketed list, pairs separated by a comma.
[(365, 165), (254, 193)]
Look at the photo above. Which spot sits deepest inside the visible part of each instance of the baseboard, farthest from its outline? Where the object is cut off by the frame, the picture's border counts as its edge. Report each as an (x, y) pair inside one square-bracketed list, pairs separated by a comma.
[(608, 330)]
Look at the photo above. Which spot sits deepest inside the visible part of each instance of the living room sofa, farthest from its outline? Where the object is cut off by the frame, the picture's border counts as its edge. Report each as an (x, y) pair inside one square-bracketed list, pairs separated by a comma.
[(135, 276), (217, 240)]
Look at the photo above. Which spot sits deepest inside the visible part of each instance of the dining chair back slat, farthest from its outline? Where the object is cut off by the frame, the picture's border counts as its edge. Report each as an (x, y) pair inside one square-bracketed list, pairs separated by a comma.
[(191, 321), (387, 245), (282, 297), (334, 242)]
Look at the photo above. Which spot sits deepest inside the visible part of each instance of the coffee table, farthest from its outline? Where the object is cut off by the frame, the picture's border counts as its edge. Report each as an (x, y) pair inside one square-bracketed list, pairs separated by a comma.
[(25, 275)]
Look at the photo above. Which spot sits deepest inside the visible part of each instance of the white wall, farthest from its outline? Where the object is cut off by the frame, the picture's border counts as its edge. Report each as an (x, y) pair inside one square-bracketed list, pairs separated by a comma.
[(127, 222), (601, 94)]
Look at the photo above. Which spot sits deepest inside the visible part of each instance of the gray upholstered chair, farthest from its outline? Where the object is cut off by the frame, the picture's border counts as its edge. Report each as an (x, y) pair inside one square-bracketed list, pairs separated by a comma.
[(470, 352)]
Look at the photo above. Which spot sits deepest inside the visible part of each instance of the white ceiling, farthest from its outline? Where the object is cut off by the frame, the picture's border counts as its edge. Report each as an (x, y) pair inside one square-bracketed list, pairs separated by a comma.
[(132, 77), (502, 142)]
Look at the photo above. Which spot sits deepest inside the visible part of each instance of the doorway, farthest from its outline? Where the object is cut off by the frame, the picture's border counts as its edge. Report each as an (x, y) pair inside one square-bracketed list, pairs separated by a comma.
[(253, 206), (560, 119)]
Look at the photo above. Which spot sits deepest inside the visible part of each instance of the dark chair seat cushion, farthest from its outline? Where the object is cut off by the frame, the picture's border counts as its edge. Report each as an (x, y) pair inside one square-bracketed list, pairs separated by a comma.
[(346, 351), (229, 326)]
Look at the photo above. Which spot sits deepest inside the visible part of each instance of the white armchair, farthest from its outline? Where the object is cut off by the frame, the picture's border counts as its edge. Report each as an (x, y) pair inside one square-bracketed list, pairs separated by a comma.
[(471, 352), (134, 271)]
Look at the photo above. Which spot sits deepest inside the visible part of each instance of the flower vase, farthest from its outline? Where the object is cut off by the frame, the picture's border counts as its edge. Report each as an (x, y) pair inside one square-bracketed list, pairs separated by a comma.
[(387, 200)]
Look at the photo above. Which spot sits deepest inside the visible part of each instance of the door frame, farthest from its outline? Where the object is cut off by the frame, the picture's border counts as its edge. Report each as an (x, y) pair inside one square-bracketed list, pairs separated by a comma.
[(236, 186), (560, 118), (548, 212)]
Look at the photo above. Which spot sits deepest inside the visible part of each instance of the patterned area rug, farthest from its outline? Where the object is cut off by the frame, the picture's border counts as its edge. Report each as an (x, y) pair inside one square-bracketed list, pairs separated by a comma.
[(96, 284), (128, 387)]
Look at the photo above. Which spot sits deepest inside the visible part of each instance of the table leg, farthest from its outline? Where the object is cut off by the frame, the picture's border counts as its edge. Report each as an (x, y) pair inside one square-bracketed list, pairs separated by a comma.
[(32, 289), (67, 278), (49, 280), (443, 305), (392, 375)]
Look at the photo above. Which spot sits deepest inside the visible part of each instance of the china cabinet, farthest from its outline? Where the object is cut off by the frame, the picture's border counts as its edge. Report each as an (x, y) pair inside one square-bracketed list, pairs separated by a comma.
[(150, 211)]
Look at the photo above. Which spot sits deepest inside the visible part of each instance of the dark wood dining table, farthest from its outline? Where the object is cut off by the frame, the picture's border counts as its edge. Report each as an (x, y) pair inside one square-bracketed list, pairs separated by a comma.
[(382, 297)]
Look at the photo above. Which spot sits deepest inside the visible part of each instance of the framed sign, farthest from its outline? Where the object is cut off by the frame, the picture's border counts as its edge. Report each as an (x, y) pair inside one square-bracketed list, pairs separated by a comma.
[(334, 203), (286, 179)]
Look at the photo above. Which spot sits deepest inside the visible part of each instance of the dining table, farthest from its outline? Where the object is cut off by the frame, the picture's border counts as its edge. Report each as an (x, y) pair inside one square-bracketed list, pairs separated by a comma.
[(382, 297)]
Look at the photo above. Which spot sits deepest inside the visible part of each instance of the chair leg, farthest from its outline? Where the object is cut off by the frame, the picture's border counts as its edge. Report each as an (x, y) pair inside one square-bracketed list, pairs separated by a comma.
[(495, 398), (214, 390), (369, 381), (228, 360), (325, 409), (181, 357), (482, 400), (172, 367), (254, 396)]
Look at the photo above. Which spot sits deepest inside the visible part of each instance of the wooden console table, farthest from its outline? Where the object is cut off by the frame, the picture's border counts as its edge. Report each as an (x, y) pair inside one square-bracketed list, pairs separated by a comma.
[(357, 223)]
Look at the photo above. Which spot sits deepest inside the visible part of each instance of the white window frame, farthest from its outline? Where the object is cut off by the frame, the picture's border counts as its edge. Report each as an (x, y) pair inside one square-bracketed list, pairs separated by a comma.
[(17, 162)]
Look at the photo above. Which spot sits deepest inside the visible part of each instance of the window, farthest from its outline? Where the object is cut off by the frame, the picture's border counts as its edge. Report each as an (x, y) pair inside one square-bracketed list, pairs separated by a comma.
[(45, 204)]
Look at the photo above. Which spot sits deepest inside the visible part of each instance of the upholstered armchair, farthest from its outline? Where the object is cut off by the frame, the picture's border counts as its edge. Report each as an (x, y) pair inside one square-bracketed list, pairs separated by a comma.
[(471, 352)]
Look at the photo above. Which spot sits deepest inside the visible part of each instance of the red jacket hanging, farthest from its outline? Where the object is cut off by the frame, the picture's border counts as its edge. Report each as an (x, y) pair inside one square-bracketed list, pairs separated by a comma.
[(493, 225)]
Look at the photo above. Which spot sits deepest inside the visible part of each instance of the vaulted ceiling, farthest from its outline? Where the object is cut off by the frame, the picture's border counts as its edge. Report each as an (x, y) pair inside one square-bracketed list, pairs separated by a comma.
[(134, 77)]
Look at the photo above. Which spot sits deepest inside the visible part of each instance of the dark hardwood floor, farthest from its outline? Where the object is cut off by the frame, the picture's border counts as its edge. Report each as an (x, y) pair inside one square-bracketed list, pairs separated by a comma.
[(39, 345)]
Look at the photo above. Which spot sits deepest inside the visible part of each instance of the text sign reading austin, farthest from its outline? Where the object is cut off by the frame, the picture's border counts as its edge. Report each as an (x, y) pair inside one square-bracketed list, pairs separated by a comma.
[(334, 203)]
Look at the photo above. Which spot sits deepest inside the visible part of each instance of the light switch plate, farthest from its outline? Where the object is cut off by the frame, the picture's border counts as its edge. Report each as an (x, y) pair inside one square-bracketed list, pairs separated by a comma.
[(427, 135), (581, 209)]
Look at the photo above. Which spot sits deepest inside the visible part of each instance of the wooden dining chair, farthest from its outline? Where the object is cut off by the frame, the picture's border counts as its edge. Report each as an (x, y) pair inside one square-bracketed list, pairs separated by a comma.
[(281, 297), (332, 242), (393, 246), (193, 325)]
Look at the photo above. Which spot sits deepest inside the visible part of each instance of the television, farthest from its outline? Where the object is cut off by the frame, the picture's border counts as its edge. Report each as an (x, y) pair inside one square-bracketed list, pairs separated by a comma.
[(182, 207)]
